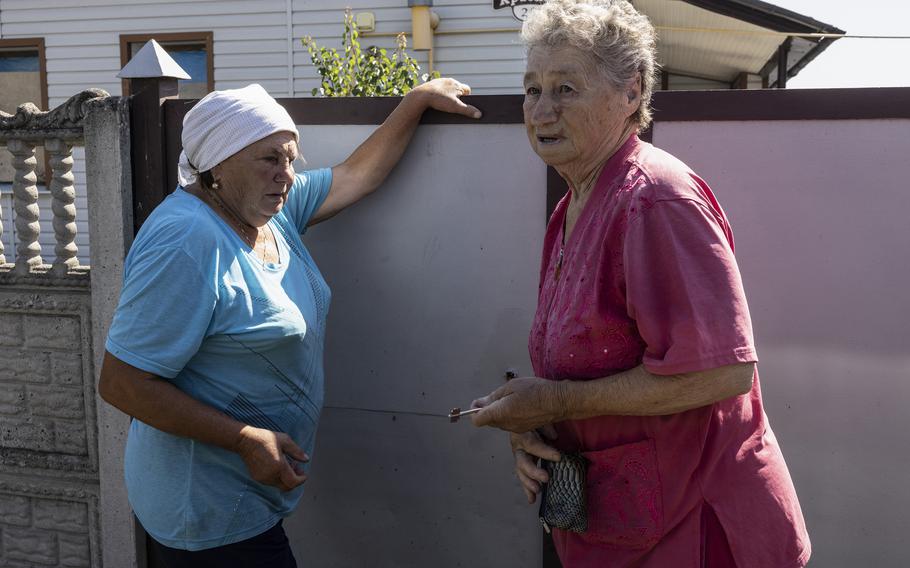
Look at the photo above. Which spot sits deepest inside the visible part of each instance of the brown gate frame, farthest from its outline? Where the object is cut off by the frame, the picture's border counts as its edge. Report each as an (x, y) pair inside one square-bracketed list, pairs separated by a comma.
[(783, 104), (157, 145), (160, 120), (158, 116)]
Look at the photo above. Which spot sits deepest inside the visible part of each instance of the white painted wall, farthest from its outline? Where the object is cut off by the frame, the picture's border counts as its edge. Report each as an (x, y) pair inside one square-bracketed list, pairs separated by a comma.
[(819, 211)]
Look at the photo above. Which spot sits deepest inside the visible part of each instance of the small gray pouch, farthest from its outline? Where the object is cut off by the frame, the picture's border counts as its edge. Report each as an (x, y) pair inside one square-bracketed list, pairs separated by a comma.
[(563, 502)]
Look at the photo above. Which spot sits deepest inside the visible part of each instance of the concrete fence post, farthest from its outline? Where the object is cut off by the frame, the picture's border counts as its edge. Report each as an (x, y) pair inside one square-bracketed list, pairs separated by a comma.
[(110, 211)]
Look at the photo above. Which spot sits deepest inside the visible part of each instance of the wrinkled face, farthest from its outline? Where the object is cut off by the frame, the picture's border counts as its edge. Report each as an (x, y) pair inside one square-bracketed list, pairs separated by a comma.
[(574, 117), (255, 181)]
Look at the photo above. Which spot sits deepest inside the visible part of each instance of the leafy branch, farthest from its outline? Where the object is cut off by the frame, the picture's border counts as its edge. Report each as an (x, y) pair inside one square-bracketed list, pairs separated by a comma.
[(369, 72)]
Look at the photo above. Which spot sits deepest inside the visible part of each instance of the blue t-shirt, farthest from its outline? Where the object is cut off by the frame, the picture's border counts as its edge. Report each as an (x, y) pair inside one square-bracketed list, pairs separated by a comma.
[(199, 308)]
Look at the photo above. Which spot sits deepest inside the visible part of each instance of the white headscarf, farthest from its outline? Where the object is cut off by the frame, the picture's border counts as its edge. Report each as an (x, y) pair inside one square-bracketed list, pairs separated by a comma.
[(225, 122)]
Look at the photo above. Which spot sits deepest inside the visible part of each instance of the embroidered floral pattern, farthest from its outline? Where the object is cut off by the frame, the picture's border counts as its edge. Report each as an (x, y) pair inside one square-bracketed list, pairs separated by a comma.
[(625, 508)]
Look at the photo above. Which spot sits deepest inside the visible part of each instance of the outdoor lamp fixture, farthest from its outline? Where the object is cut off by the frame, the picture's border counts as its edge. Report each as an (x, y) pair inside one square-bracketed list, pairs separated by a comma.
[(423, 22)]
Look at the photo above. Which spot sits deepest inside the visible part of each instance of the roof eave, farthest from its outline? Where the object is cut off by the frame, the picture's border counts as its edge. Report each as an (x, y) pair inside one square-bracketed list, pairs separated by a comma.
[(766, 15), (777, 19)]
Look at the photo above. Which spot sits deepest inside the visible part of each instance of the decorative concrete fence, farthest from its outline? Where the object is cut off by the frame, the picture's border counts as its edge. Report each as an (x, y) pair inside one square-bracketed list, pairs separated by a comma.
[(58, 130), (50, 465)]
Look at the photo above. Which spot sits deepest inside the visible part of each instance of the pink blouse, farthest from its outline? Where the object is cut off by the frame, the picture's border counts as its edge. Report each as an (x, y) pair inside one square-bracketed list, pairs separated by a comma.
[(648, 277)]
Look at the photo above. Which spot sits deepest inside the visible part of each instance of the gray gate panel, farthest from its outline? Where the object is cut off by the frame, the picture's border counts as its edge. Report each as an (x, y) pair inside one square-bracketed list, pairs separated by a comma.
[(434, 284)]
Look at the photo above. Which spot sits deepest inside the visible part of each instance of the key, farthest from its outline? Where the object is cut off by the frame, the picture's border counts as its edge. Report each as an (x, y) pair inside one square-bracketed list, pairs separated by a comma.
[(457, 413)]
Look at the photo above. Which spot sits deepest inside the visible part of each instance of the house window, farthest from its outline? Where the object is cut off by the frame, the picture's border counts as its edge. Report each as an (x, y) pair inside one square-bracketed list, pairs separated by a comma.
[(23, 79), (191, 50)]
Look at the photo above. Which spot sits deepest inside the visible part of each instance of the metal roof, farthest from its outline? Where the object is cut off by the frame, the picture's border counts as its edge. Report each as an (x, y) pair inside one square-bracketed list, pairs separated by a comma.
[(719, 39)]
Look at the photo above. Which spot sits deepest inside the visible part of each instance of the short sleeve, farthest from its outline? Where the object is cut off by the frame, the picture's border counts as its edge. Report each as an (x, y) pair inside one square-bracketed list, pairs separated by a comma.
[(165, 309), (306, 196), (684, 290)]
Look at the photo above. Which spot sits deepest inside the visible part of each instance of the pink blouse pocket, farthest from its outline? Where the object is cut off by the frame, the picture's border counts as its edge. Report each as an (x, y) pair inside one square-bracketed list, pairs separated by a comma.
[(625, 508)]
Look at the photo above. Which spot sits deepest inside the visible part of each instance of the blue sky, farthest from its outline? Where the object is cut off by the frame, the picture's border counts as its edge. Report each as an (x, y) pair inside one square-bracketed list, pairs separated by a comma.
[(857, 62)]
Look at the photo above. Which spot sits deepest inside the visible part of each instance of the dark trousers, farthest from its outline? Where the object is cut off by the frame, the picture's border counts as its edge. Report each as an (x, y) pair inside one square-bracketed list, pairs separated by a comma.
[(715, 550), (270, 549)]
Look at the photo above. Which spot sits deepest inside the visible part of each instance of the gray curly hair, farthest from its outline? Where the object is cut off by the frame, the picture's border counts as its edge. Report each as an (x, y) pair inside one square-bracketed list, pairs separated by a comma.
[(621, 39)]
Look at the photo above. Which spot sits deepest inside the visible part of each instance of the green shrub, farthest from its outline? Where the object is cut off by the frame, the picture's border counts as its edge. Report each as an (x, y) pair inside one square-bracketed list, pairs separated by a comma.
[(369, 72)]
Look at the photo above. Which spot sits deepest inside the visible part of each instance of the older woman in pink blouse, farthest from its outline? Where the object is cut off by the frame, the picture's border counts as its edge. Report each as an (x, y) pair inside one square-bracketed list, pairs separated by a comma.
[(642, 342)]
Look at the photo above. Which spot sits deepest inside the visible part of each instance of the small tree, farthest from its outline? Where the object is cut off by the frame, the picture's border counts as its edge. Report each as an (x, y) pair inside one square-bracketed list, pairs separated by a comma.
[(363, 73)]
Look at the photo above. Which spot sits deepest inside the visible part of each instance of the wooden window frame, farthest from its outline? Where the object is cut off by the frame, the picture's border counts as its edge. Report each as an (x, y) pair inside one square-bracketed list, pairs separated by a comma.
[(207, 38), (35, 43)]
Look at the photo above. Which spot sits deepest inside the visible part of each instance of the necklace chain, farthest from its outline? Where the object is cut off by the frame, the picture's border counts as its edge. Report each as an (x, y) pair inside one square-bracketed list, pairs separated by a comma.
[(233, 216)]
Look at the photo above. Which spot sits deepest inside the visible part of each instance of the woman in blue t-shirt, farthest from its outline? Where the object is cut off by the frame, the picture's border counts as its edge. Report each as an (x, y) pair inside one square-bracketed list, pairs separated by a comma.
[(216, 345)]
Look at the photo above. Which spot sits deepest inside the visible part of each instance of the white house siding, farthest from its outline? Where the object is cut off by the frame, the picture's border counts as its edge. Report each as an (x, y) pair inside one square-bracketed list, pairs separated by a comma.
[(251, 44), (6, 218), (492, 63), (83, 38), (82, 42)]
